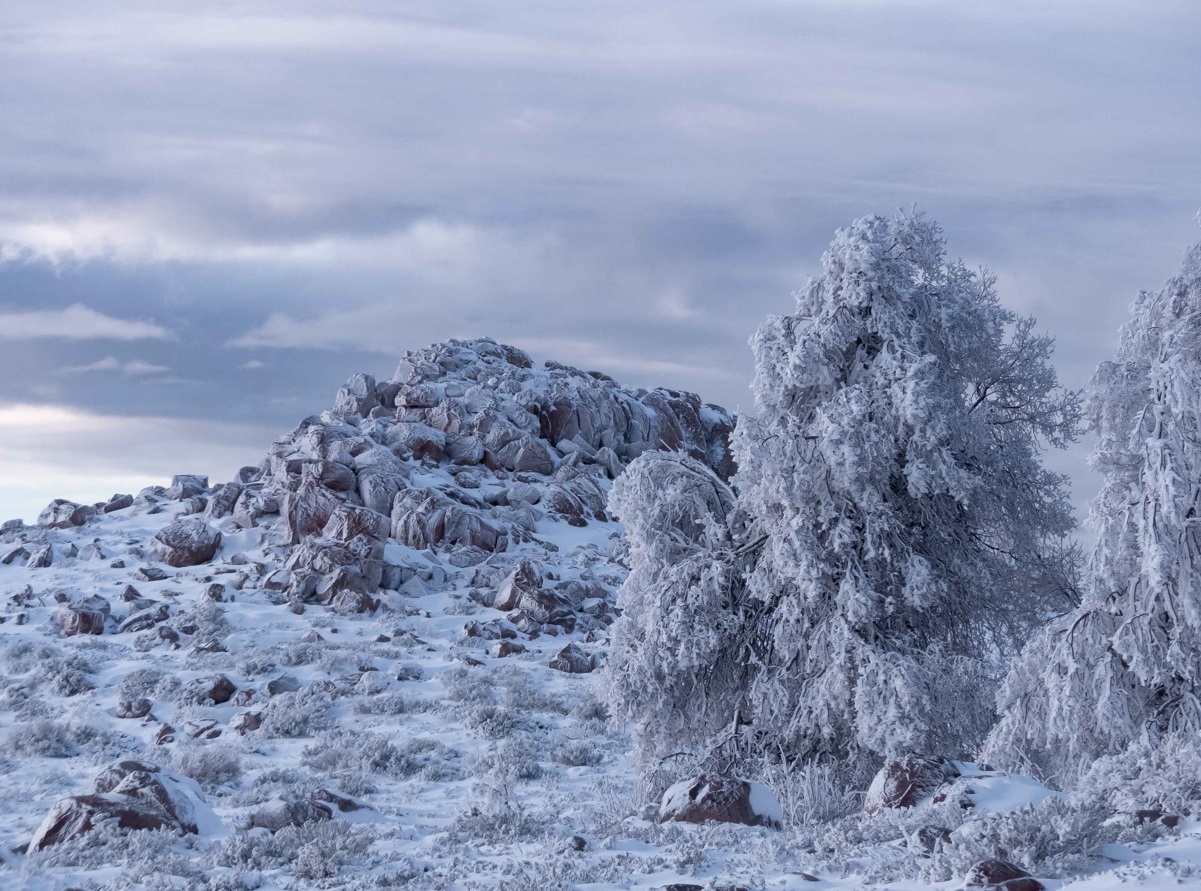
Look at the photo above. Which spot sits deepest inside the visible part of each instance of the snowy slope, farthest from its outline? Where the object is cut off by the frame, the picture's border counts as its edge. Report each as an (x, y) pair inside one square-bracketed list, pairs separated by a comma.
[(465, 768)]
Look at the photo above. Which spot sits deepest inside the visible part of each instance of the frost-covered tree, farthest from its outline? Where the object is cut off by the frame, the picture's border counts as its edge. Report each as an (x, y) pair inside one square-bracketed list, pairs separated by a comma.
[(1125, 666), (906, 526), (893, 535), (673, 666)]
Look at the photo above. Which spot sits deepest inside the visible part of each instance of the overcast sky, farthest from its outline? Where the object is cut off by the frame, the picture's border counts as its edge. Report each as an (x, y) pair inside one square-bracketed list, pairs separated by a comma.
[(212, 214)]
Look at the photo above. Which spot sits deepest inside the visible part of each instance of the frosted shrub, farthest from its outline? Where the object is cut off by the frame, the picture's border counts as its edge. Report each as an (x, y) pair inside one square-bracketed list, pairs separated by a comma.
[(522, 693), (65, 739), (811, 792), (576, 753), (463, 685), (212, 766), (302, 713), (1164, 777), (490, 721), (43, 738), (335, 842)]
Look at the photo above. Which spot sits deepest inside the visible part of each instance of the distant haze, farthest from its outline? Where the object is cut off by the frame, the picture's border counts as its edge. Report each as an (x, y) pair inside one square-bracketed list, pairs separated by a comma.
[(212, 214)]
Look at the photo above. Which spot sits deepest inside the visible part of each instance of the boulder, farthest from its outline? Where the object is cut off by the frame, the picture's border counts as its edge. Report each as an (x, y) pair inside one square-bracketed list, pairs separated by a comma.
[(357, 396), (40, 557), (278, 814), (308, 508), (144, 619), (905, 781), (132, 795), (219, 689), (524, 578), (720, 799), (133, 708), (223, 501), (186, 485), (84, 616), (995, 873), (63, 514), (573, 660), (117, 502), (246, 722), (187, 542), (348, 521), (931, 838)]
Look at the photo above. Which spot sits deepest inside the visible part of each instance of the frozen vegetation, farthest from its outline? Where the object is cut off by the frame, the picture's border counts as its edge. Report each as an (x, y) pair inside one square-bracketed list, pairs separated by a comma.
[(496, 625)]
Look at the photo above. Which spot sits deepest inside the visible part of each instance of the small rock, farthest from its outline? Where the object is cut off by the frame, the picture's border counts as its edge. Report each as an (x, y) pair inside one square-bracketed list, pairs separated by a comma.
[(503, 648), (133, 708), (931, 838), (246, 722), (994, 873), (186, 485), (219, 689), (40, 557), (572, 659), (283, 684), (276, 815)]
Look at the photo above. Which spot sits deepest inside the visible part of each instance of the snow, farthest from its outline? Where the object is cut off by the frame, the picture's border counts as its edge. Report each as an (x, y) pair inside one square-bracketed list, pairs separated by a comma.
[(475, 771)]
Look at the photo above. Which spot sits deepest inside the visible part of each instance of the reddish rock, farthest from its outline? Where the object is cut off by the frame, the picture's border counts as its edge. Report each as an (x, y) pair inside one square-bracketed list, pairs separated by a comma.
[(188, 542), (905, 781), (720, 799), (996, 873), (84, 616), (133, 795)]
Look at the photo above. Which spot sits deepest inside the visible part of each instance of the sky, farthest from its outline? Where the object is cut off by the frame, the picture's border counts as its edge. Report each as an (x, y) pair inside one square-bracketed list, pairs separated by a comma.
[(212, 214)]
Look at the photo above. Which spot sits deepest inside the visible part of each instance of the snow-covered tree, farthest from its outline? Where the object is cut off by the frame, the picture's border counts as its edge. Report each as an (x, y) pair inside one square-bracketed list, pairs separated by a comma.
[(905, 523), (673, 666), (1125, 666)]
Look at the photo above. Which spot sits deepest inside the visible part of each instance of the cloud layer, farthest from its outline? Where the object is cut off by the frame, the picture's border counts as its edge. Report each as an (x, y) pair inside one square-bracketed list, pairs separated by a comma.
[(264, 198)]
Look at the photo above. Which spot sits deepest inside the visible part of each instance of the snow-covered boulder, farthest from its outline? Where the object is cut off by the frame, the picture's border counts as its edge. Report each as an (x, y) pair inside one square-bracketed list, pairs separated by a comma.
[(63, 514), (721, 799), (85, 616), (994, 873), (905, 781), (186, 485), (132, 794), (187, 542)]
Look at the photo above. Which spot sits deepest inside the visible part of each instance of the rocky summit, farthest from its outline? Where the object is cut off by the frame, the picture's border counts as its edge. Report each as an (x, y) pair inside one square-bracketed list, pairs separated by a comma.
[(372, 643)]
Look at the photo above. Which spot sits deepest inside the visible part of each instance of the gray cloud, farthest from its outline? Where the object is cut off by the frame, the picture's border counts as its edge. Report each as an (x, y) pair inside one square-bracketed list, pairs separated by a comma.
[(301, 191), (75, 322)]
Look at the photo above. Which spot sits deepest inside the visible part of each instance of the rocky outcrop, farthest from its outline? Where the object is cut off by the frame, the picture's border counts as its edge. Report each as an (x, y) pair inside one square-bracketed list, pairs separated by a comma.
[(187, 542)]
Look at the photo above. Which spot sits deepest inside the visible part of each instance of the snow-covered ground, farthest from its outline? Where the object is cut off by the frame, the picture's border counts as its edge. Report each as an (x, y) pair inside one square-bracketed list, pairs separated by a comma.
[(477, 771), (442, 737)]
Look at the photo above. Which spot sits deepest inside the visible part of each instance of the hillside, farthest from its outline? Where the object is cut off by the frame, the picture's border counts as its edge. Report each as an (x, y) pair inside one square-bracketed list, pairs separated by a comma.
[(371, 661)]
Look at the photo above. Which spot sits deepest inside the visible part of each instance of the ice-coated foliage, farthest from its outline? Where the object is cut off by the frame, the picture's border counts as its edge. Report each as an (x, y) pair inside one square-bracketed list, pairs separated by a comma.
[(673, 666), (1125, 665), (906, 530)]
